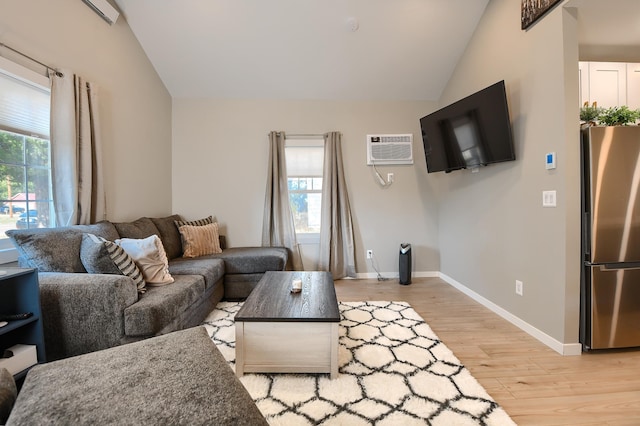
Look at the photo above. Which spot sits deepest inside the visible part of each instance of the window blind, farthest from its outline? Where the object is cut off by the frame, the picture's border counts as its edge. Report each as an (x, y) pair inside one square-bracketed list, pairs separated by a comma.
[(24, 106), (304, 157)]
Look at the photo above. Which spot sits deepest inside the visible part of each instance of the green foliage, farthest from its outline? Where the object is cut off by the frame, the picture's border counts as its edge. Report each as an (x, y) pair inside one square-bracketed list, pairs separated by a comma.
[(16, 151), (590, 113), (618, 116)]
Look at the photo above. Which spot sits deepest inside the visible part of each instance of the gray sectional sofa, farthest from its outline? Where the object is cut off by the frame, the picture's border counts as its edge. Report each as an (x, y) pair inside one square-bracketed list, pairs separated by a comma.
[(85, 312)]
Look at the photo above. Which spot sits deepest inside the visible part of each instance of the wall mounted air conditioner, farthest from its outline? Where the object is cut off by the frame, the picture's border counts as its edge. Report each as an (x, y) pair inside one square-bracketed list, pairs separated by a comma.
[(104, 10), (389, 149)]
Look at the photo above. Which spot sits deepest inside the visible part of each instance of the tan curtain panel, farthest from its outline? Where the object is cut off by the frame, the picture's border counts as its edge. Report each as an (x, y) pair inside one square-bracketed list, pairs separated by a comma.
[(76, 152), (278, 229), (337, 250)]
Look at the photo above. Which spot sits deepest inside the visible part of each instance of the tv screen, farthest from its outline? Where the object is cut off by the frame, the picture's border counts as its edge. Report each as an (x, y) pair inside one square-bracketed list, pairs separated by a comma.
[(472, 132)]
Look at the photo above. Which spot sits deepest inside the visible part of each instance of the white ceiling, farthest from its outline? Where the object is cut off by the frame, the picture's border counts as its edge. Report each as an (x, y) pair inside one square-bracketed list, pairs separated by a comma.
[(608, 23), (306, 49)]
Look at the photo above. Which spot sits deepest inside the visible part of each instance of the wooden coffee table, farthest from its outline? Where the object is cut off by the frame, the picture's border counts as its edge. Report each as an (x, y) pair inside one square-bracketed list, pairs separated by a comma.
[(282, 332)]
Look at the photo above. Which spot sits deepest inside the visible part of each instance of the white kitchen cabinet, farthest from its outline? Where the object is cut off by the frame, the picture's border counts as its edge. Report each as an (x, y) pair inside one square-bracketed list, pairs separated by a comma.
[(608, 83), (633, 86), (583, 77)]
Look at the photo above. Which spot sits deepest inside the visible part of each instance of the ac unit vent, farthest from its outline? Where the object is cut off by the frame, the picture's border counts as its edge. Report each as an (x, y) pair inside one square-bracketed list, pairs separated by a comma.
[(389, 149), (104, 10)]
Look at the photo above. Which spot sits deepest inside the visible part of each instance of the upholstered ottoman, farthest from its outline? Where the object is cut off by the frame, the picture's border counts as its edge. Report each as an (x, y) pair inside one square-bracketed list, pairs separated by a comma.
[(176, 379)]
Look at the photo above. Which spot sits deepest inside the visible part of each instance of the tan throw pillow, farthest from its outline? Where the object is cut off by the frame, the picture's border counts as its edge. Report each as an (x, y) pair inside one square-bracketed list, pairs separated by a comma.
[(200, 240), (150, 257)]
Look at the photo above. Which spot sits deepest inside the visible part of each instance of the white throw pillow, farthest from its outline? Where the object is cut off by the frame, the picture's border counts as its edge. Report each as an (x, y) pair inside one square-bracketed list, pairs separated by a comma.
[(150, 257)]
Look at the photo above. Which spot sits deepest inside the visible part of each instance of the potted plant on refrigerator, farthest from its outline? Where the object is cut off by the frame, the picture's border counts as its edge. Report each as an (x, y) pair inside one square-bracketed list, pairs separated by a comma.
[(589, 114), (619, 116)]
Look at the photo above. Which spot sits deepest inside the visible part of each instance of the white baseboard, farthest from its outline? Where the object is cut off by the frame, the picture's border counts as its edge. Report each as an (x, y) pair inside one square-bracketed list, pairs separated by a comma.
[(561, 348), (395, 275)]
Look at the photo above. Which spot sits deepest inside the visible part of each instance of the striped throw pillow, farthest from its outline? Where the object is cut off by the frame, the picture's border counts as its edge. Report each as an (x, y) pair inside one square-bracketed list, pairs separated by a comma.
[(101, 256), (199, 222), (125, 264), (150, 257), (200, 240)]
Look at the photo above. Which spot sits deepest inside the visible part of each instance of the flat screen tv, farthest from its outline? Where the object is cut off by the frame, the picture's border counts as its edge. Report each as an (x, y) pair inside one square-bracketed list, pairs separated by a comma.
[(472, 132)]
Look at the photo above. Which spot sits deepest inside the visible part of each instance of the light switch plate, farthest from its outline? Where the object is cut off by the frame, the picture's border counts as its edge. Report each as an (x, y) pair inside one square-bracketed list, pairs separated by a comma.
[(548, 198)]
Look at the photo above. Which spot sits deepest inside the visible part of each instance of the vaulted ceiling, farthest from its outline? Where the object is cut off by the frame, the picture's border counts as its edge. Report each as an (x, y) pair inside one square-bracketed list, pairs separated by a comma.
[(304, 49), (328, 49)]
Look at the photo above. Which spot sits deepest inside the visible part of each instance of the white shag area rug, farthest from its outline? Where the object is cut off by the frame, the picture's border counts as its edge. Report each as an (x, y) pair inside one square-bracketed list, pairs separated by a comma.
[(393, 370)]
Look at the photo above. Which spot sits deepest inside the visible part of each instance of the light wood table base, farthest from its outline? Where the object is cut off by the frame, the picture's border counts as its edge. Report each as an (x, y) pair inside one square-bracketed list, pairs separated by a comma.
[(286, 347)]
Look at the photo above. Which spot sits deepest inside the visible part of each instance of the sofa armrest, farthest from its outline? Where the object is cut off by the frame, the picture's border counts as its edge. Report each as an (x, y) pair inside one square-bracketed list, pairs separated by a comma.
[(8, 394), (83, 312)]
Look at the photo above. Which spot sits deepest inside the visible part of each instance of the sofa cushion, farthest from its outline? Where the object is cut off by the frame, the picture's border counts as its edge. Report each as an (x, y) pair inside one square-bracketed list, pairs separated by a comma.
[(150, 257), (252, 260), (138, 229), (200, 240), (100, 256), (56, 249), (240, 286), (159, 306), (169, 234), (211, 269)]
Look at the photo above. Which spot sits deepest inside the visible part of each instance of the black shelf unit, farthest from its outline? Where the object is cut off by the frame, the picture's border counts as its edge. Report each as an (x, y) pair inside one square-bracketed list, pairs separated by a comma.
[(20, 292)]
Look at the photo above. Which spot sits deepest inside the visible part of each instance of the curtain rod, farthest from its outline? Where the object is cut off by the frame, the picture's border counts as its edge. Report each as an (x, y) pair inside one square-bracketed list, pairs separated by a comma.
[(302, 135), (58, 73)]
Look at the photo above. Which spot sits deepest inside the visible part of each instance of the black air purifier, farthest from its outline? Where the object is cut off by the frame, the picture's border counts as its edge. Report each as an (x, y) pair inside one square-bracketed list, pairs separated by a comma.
[(405, 264)]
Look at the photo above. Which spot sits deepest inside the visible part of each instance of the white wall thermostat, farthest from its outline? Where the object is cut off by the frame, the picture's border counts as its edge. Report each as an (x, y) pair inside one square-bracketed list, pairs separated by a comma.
[(550, 160)]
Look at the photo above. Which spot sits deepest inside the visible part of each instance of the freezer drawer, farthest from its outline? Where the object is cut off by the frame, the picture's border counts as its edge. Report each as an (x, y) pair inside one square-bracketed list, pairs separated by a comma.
[(615, 308)]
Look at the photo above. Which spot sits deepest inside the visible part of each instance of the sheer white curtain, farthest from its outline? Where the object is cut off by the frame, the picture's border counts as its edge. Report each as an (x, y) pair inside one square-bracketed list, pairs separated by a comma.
[(76, 152), (337, 250), (278, 228)]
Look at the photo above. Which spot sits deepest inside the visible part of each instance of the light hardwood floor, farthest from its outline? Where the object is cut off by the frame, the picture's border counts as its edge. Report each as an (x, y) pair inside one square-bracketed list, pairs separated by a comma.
[(533, 383)]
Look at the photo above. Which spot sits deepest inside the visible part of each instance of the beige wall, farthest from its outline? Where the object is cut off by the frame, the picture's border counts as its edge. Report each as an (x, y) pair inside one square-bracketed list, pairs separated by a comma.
[(135, 107), (492, 226), (220, 154)]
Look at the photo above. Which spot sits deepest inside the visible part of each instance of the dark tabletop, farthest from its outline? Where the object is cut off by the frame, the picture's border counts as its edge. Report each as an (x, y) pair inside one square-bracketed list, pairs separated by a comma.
[(272, 299)]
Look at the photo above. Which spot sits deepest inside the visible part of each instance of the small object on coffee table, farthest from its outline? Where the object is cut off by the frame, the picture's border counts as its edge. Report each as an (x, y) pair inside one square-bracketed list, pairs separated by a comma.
[(296, 286), (3, 323)]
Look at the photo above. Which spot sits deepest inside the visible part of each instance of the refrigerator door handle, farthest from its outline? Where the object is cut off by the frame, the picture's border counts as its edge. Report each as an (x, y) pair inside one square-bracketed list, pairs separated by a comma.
[(612, 267), (586, 235)]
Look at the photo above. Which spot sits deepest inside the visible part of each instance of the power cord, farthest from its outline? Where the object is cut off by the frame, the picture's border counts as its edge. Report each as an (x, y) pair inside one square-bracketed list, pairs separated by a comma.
[(380, 277), (381, 180)]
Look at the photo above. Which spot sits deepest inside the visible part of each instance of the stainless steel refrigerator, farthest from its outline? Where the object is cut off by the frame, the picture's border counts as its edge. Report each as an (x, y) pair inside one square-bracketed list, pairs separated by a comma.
[(610, 284)]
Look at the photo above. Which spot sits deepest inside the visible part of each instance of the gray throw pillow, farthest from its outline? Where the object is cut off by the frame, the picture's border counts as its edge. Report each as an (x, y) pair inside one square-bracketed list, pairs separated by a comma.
[(56, 249), (101, 256)]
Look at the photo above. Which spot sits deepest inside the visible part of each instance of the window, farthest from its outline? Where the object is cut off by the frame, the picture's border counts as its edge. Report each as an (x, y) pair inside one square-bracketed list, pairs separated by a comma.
[(25, 151), (304, 175)]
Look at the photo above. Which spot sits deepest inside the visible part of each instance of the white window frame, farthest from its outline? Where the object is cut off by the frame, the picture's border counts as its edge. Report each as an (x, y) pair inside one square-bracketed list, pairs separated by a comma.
[(8, 252), (312, 142)]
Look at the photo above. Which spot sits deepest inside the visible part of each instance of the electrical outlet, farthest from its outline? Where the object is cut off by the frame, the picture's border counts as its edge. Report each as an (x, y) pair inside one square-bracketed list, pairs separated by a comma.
[(369, 254), (519, 287), (390, 177)]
